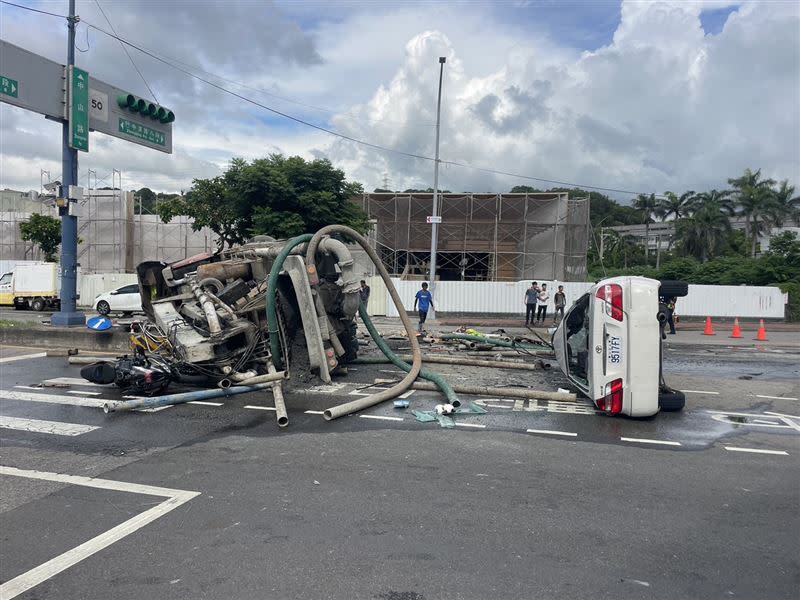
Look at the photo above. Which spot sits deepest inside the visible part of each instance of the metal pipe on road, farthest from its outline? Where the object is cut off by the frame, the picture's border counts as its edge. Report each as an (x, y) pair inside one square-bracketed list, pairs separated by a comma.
[(476, 390), (277, 396), (451, 360), (124, 405), (269, 378)]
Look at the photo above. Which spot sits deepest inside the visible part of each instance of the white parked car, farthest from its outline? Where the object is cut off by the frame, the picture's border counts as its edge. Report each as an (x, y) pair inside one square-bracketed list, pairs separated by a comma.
[(609, 345), (125, 299)]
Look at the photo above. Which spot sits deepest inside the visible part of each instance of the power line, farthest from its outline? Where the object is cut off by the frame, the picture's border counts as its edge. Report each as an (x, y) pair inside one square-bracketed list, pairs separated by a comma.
[(130, 58), (325, 129)]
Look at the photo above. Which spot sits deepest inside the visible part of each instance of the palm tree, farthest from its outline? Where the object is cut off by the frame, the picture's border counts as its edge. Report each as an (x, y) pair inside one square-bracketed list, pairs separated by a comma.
[(648, 205), (786, 206), (722, 198), (705, 233), (677, 207), (755, 199), (616, 247)]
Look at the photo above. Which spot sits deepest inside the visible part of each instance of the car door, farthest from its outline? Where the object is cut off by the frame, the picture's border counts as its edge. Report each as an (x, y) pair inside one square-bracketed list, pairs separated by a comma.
[(127, 298)]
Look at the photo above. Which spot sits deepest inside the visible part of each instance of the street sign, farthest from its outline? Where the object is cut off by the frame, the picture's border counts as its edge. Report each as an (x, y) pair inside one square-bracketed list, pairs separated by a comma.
[(78, 109), (433, 220), (8, 86), (39, 85)]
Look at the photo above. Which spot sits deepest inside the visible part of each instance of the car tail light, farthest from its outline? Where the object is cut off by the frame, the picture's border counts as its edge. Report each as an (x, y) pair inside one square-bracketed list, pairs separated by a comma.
[(611, 402), (611, 294)]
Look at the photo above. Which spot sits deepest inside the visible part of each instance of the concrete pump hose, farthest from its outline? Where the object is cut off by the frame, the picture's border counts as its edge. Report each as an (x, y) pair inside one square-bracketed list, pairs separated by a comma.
[(397, 389)]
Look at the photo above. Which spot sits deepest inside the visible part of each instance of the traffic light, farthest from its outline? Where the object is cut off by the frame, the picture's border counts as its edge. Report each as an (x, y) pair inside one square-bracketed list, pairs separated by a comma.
[(145, 108)]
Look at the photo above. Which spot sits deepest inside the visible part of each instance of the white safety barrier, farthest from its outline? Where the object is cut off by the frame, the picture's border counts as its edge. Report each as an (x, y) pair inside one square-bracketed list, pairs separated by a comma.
[(490, 297)]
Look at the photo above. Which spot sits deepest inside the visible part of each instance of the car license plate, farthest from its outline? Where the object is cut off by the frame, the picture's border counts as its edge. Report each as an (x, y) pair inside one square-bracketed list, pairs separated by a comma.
[(614, 349)]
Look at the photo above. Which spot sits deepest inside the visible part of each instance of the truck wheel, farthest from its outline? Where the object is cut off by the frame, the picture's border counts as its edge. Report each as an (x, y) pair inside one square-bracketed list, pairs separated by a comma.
[(103, 307), (21, 305), (677, 289), (672, 401), (37, 304)]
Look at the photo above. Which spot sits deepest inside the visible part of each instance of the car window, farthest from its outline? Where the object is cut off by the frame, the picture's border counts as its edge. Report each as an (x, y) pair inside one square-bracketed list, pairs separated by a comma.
[(129, 289), (5, 278), (578, 340)]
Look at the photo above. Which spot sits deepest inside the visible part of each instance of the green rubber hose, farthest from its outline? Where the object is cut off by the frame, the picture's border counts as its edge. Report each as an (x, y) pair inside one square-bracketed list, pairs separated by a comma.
[(440, 382), (272, 290)]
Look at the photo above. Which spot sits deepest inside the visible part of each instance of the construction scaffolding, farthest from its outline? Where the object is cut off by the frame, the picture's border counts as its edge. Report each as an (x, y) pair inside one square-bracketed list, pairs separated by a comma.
[(483, 237)]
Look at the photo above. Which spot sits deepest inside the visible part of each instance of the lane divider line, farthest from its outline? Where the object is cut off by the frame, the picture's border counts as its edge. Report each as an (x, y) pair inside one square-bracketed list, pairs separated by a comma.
[(9, 359), (775, 397), (552, 432), (42, 426), (756, 451), (315, 412), (204, 403), (648, 441), (377, 417), (251, 407), (699, 392), (28, 387), (475, 425), (83, 393)]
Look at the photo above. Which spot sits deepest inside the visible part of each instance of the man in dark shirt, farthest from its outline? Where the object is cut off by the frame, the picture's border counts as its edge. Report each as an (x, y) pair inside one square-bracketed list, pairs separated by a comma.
[(425, 300), (531, 298), (560, 301), (363, 292)]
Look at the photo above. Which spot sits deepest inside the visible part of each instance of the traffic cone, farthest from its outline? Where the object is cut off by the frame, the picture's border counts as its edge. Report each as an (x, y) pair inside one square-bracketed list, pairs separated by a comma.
[(737, 331), (761, 336), (709, 330)]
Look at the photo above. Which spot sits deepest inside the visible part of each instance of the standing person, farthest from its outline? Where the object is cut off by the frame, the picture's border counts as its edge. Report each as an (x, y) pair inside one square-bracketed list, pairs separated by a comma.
[(531, 298), (425, 300), (544, 296), (671, 314), (560, 300), (363, 292)]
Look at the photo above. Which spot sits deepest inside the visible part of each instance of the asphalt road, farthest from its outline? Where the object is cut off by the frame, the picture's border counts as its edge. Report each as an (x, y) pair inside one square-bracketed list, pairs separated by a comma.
[(530, 500)]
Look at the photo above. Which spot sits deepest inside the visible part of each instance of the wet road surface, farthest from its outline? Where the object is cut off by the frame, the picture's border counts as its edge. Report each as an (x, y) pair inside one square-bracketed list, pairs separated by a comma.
[(531, 499)]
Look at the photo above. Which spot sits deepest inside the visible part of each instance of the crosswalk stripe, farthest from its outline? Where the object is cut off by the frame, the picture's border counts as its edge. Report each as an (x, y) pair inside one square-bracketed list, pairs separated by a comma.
[(57, 381), (8, 359), (52, 399), (42, 426)]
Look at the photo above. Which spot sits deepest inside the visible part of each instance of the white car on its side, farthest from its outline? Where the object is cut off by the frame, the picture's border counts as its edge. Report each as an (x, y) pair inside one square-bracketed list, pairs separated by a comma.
[(609, 345), (125, 299)]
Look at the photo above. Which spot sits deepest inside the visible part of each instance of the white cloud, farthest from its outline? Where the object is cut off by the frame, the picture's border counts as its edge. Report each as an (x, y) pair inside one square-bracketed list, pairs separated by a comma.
[(662, 106)]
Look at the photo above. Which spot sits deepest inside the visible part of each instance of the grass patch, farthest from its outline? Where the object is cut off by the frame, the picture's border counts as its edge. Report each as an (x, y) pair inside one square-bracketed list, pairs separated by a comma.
[(10, 324)]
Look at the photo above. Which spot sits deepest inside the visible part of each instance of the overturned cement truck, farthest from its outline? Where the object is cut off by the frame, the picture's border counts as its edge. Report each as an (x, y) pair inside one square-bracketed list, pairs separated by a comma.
[(242, 318)]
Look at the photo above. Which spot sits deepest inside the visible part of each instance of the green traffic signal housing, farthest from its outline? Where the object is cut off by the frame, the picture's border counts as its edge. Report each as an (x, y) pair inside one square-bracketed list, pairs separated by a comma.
[(145, 108)]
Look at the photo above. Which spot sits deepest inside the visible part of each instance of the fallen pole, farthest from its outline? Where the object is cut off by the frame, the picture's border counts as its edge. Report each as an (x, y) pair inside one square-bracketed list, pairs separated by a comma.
[(123, 405), (269, 378), (277, 396), (452, 360), (476, 390)]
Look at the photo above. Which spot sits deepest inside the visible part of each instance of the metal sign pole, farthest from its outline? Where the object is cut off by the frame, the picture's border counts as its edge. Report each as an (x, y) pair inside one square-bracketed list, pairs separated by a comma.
[(69, 316), (434, 221)]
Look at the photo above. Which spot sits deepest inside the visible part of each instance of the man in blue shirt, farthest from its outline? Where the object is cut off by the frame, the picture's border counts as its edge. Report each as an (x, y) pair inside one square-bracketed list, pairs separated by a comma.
[(425, 300)]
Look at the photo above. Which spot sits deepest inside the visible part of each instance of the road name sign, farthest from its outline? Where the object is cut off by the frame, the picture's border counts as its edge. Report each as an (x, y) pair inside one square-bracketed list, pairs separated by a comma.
[(8, 86), (78, 109), (436, 219), (141, 132)]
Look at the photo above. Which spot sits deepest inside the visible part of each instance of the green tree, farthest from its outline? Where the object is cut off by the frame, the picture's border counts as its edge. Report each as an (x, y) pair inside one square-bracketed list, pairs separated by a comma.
[(705, 233), (756, 203), (648, 207), (145, 200), (45, 232), (677, 207), (785, 205), (276, 196), (786, 245)]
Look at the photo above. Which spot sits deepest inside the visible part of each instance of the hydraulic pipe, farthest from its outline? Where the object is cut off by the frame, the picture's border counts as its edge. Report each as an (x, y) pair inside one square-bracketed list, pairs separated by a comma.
[(122, 405), (208, 309), (277, 396), (274, 376), (476, 390), (236, 375), (402, 386), (485, 340), (467, 362)]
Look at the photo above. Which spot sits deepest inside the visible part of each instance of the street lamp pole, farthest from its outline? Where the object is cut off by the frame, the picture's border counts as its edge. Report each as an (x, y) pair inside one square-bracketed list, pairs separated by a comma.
[(434, 224)]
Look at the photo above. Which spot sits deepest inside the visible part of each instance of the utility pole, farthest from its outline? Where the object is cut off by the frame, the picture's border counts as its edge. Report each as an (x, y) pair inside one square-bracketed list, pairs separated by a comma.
[(69, 316), (435, 219)]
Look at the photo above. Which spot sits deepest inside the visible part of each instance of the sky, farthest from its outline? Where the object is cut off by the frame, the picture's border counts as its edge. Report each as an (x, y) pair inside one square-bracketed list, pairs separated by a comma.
[(634, 95)]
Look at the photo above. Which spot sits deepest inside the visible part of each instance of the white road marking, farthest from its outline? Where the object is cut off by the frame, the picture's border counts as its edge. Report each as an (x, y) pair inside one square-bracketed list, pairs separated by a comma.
[(763, 422), (204, 403), (775, 397), (260, 407), (41, 426), (476, 425), (406, 394), (552, 432), (56, 381), (315, 412), (52, 399), (154, 408), (766, 412), (699, 392), (756, 450), (647, 441), (9, 359), (78, 393), (27, 387), (175, 498), (381, 418)]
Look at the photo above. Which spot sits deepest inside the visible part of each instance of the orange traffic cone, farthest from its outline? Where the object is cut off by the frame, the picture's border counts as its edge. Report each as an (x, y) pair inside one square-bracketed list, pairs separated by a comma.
[(737, 331), (709, 330), (761, 336)]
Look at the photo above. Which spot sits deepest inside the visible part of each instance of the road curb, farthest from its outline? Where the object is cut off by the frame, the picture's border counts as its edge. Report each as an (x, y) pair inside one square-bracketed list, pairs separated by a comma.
[(114, 340)]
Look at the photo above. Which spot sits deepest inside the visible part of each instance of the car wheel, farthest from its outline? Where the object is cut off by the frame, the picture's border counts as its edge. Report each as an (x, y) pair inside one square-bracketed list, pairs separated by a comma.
[(37, 305), (676, 289), (127, 314), (103, 307), (672, 401)]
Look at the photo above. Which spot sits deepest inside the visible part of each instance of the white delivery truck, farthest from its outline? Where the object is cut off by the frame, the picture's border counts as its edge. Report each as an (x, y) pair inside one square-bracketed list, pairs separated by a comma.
[(35, 286)]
